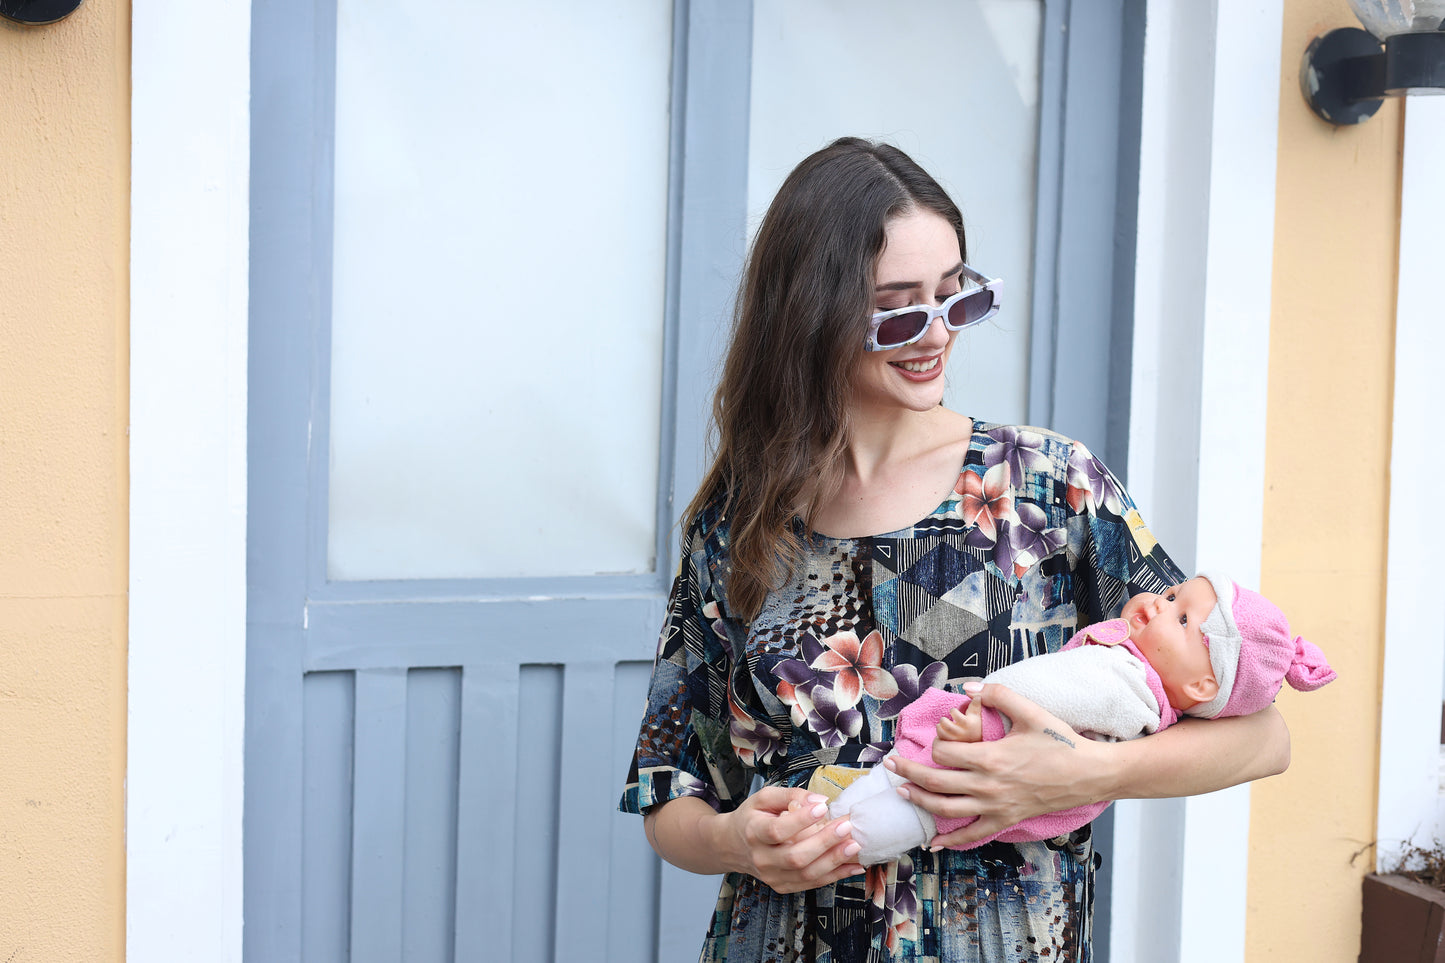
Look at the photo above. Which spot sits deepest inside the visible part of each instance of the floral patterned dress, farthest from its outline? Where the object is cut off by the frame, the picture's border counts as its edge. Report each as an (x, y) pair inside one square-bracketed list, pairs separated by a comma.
[(1036, 539)]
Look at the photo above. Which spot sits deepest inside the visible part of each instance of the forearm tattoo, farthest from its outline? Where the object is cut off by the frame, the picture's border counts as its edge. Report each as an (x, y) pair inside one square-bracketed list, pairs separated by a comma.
[(1061, 737)]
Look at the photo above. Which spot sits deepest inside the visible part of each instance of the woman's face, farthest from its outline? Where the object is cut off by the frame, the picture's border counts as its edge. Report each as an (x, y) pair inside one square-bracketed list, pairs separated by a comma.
[(920, 264)]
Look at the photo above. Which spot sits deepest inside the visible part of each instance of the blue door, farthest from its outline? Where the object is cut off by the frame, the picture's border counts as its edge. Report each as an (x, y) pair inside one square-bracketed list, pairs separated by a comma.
[(493, 249)]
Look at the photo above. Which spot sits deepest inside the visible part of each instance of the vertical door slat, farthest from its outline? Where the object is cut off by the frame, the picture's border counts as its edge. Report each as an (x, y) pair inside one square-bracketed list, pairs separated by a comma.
[(486, 812), (328, 751), (588, 780), (378, 812), (539, 806), (431, 814), (633, 868)]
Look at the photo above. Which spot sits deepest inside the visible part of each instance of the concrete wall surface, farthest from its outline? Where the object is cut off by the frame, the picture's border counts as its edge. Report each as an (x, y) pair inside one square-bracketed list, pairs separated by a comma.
[(64, 196)]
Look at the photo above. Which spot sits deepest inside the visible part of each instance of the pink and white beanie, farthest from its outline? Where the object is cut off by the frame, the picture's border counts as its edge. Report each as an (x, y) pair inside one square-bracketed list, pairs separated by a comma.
[(1253, 653)]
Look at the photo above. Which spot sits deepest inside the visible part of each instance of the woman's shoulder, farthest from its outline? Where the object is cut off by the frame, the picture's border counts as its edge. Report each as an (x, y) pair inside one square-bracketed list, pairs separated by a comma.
[(1026, 449), (706, 530), (991, 432)]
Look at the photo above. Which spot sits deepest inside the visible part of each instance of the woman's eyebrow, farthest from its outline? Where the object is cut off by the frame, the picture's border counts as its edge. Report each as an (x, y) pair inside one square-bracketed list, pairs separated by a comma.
[(910, 285)]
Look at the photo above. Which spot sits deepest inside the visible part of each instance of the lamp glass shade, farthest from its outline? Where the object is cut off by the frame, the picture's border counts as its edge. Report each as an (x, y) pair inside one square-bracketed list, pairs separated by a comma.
[(1386, 18)]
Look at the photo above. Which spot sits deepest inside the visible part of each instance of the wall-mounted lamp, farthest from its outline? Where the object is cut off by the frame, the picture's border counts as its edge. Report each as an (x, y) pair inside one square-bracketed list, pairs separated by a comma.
[(34, 13), (1348, 72)]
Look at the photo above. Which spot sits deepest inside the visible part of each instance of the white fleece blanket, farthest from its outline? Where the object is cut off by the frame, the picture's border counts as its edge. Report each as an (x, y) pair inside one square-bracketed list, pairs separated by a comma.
[(1099, 690)]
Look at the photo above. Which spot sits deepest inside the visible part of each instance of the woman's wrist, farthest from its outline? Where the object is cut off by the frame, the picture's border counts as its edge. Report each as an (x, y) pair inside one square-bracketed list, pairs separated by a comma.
[(690, 834), (1110, 769), (721, 839)]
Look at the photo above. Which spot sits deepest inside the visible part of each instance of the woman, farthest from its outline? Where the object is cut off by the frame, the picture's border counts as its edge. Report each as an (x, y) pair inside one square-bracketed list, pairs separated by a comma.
[(853, 544)]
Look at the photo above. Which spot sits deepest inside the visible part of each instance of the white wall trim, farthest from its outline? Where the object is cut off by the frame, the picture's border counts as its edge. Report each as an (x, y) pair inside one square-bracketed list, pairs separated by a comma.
[(190, 168), (1414, 620), (1198, 407)]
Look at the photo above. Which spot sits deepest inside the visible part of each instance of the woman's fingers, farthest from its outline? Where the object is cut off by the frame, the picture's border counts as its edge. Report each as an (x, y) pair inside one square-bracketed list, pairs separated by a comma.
[(792, 844), (789, 811), (816, 857)]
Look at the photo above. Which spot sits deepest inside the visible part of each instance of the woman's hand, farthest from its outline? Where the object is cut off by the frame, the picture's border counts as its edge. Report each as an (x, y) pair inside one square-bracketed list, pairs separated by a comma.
[(1041, 766), (781, 836), (784, 838)]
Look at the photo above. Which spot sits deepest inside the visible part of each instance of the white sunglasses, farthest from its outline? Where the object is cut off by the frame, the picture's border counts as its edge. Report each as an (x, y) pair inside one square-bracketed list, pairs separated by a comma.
[(902, 326)]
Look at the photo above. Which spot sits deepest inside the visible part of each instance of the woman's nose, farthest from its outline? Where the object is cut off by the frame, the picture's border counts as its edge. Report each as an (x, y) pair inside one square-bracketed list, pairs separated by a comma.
[(937, 335)]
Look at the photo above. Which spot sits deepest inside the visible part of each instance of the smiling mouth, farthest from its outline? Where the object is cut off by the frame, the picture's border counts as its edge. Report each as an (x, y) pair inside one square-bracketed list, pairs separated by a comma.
[(918, 366)]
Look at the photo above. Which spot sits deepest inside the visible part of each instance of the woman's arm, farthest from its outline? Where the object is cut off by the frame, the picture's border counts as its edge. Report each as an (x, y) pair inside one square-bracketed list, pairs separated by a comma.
[(1044, 766), (781, 836)]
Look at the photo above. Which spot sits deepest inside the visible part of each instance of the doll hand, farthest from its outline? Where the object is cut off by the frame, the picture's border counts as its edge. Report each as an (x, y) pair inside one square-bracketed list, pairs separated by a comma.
[(962, 725), (784, 838), (1041, 766)]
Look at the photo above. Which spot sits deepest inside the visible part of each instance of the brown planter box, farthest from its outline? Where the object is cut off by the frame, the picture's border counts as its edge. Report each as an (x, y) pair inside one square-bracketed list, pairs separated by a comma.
[(1404, 922)]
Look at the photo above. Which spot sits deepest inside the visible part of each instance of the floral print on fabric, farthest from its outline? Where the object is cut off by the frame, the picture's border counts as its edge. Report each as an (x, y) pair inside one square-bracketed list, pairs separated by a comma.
[(1036, 538)]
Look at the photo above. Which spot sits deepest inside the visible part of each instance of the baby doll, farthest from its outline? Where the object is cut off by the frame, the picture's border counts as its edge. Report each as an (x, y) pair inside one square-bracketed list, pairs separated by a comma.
[(1205, 648)]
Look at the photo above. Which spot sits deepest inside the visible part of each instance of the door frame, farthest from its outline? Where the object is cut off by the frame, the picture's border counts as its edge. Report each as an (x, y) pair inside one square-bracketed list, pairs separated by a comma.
[(1204, 265), (189, 240)]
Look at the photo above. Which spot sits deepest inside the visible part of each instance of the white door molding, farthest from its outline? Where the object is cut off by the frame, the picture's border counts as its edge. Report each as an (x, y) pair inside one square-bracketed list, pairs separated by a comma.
[(1197, 413), (190, 169), (1409, 789)]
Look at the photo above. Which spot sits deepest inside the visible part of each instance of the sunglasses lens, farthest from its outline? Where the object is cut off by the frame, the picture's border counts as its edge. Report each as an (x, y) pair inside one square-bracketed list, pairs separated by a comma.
[(970, 308), (902, 329)]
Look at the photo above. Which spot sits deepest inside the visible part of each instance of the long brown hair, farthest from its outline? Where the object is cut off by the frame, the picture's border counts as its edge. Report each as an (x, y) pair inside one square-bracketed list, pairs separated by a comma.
[(781, 410)]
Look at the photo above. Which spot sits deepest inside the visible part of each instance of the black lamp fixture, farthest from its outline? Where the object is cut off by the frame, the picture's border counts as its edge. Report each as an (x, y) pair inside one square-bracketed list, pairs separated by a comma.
[(1347, 73), (35, 13)]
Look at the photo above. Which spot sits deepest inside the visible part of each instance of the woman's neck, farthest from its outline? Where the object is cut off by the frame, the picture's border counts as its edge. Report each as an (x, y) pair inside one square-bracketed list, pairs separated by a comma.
[(895, 471), (877, 439)]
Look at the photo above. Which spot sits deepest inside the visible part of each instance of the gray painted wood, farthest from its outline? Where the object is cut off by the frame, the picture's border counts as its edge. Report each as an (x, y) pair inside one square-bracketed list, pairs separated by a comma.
[(1085, 222), (378, 803), (327, 751), (590, 793), (539, 810), (632, 873), (1084, 252), (432, 766), (486, 837), (433, 707)]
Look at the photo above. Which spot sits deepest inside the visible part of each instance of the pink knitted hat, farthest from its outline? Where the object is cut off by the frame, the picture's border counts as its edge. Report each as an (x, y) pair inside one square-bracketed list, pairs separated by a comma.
[(1253, 654)]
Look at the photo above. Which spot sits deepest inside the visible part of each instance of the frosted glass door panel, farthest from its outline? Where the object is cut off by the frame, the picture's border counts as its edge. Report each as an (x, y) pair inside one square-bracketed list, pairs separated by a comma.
[(501, 176), (955, 84)]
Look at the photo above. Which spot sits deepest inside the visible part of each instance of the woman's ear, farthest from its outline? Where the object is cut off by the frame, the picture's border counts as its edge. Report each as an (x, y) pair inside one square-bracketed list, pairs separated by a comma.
[(1202, 690)]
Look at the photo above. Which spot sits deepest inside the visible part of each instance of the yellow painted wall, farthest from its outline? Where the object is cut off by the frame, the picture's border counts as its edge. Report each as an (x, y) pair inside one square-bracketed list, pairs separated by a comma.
[(64, 197), (1330, 389)]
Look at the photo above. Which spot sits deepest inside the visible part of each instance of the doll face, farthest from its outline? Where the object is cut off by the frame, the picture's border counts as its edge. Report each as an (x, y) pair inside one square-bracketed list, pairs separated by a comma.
[(1167, 629)]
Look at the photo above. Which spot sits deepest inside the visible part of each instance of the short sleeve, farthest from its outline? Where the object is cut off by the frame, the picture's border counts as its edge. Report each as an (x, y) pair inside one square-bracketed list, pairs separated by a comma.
[(1111, 551), (684, 747)]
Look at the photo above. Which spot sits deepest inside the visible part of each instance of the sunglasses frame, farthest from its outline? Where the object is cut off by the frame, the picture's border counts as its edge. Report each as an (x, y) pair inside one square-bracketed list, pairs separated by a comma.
[(993, 285)]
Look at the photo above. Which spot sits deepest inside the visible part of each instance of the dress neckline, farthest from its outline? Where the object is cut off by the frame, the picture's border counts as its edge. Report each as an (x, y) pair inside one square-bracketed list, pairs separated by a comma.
[(975, 429)]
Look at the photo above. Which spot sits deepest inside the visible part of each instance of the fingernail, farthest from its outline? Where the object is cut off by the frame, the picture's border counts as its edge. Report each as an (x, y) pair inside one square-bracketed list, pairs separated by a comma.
[(934, 849), (843, 828), (815, 798), (903, 791), (890, 764), (973, 688), (819, 810), (851, 848)]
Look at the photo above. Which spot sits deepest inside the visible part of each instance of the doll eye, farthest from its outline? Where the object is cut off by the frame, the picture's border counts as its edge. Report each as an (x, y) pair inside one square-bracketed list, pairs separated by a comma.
[(1169, 596), (1184, 620)]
